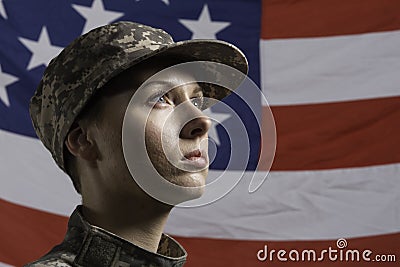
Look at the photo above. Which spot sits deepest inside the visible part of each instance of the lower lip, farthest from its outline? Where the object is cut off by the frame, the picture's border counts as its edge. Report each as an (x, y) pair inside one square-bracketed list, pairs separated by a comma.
[(199, 162)]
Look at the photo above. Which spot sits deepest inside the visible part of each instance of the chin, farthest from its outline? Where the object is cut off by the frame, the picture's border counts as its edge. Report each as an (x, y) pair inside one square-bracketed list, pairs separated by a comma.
[(192, 184), (197, 179)]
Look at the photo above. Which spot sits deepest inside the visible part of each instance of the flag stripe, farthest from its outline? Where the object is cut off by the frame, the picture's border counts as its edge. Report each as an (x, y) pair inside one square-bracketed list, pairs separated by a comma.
[(40, 185), (320, 70), (35, 232), (305, 205), (296, 203), (336, 135), (29, 233), (313, 18)]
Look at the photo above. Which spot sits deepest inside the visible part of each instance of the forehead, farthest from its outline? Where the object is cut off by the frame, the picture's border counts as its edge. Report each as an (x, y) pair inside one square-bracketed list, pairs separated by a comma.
[(153, 81), (157, 73)]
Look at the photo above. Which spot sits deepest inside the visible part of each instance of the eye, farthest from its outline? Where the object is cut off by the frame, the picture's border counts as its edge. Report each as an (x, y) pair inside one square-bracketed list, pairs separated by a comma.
[(162, 99), (159, 101), (198, 102)]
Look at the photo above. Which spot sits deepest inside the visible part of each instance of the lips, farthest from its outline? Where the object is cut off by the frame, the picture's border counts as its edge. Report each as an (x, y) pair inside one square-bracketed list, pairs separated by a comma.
[(194, 155), (196, 159)]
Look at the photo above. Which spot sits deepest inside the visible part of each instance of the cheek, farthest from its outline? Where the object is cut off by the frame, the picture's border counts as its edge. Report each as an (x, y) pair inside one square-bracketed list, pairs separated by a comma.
[(109, 143), (153, 137), (161, 131), (112, 148), (161, 144)]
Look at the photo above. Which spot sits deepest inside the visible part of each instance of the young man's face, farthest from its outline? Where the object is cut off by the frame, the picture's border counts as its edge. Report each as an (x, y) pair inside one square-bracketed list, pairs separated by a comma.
[(176, 147)]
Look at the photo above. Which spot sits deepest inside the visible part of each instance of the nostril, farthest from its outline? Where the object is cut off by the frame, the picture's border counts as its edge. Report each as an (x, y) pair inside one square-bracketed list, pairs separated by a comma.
[(196, 132), (196, 127)]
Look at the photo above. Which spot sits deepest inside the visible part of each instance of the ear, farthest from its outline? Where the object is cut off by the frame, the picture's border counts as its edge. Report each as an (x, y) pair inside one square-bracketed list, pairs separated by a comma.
[(80, 145)]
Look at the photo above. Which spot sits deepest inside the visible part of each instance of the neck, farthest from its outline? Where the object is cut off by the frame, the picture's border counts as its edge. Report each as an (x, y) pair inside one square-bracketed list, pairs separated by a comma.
[(140, 221)]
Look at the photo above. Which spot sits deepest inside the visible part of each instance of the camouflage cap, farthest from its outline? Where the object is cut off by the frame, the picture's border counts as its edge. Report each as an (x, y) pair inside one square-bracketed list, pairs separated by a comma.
[(91, 60)]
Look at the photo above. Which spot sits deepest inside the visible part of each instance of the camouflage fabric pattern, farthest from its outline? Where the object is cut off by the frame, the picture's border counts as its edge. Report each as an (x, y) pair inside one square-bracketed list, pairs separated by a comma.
[(91, 60), (87, 245)]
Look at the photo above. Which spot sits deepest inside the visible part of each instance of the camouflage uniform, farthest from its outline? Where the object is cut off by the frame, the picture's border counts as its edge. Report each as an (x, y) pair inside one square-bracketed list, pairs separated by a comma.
[(88, 245)]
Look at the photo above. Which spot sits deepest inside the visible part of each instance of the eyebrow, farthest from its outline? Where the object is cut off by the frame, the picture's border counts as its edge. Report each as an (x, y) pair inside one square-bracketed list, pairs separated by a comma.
[(159, 89), (198, 89)]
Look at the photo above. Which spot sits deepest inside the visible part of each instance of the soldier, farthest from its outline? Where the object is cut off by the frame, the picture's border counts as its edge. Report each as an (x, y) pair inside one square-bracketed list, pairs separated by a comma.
[(78, 111)]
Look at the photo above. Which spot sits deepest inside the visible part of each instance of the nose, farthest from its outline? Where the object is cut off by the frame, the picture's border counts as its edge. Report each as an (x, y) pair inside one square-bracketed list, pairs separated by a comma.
[(195, 128)]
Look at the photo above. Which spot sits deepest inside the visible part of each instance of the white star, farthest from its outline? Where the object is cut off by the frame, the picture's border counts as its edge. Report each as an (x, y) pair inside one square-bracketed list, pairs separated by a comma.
[(42, 50), (166, 2), (216, 118), (204, 27), (5, 80), (96, 15), (2, 10)]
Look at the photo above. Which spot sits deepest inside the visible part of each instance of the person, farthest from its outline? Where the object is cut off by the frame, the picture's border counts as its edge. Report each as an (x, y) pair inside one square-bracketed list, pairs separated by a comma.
[(78, 112)]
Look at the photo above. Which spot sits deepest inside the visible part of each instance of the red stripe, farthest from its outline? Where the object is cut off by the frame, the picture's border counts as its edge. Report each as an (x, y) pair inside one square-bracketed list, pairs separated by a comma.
[(336, 135), (313, 18), (26, 234), (237, 253)]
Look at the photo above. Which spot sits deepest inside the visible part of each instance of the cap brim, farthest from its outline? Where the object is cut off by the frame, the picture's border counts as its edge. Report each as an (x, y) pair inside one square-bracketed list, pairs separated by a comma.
[(185, 51), (211, 51)]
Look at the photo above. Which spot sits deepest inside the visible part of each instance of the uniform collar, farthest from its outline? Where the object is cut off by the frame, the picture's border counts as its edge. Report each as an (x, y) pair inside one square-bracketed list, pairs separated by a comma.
[(104, 249)]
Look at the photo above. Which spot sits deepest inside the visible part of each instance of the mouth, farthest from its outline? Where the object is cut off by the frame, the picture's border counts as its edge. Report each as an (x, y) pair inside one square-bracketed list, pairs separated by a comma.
[(196, 158)]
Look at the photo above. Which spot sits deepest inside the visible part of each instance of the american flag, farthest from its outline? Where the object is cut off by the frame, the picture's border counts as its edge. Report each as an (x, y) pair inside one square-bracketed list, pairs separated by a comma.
[(330, 72)]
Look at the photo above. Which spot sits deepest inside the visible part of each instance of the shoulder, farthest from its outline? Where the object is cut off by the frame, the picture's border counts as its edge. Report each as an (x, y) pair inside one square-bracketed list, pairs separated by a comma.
[(48, 263), (53, 260)]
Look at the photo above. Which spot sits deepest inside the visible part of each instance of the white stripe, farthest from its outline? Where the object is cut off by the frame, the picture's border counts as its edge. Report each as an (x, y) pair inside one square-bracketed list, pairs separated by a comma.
[(330, 69), (30, 177), (289, 205), (5, 265), (301, 205)]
